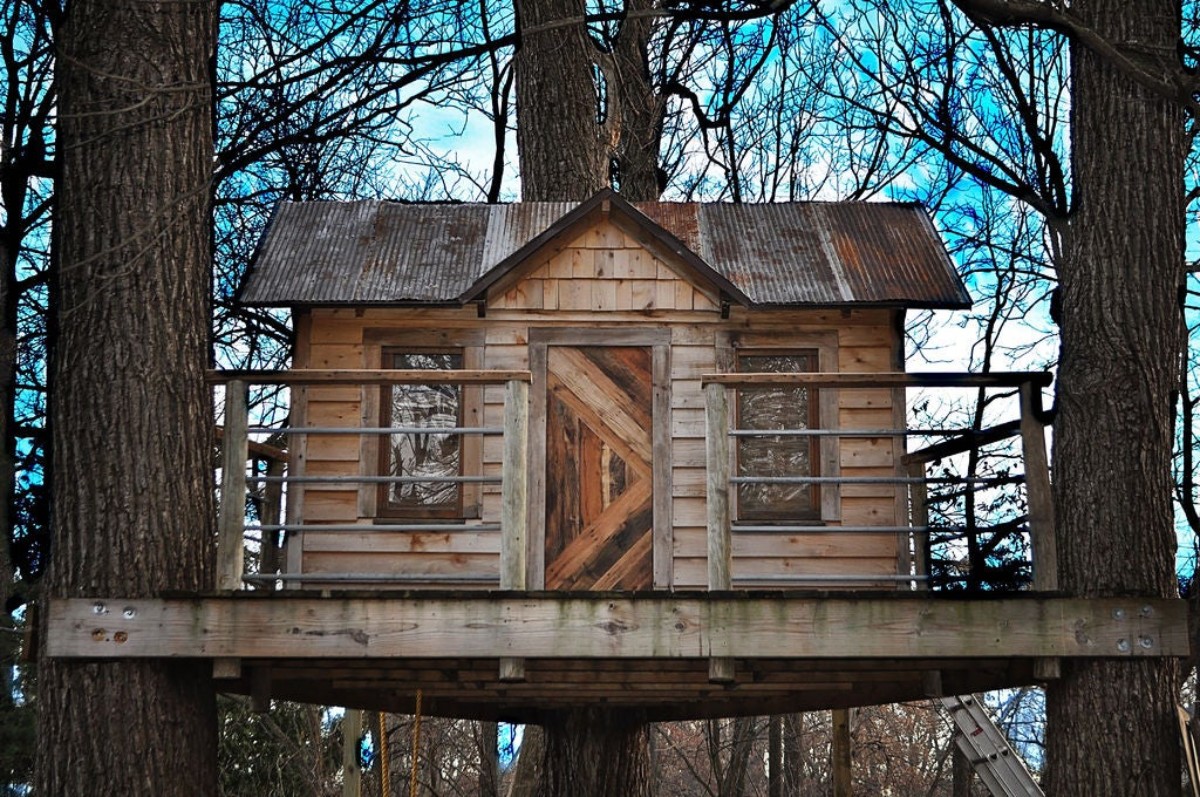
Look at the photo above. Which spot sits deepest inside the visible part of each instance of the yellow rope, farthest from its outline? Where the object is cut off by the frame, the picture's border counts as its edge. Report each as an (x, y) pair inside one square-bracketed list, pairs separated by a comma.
[(416, 748), (385, 772)]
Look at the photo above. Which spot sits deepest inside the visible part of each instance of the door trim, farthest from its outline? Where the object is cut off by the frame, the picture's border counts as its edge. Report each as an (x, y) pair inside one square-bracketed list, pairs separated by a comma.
[(658, 340)]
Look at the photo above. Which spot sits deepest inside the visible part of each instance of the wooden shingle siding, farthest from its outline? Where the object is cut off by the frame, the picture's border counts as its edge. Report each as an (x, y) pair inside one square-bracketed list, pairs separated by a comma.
[(604, 279)]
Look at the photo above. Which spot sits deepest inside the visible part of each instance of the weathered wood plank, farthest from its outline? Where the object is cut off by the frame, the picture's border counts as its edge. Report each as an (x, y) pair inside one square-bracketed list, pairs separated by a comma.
[(230, 546), (678, 626), (352, 376), (884, 379)]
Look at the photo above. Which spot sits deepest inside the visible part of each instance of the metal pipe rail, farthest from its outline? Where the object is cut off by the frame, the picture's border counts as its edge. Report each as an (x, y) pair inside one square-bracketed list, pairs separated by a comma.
[(1030, 428), (235, 480)]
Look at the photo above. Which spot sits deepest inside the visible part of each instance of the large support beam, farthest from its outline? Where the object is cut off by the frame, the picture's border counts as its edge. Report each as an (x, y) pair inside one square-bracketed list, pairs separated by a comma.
[(609, 626)]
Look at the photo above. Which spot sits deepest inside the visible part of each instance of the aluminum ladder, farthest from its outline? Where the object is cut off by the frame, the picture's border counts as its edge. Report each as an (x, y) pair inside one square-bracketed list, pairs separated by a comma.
[(984, 745)]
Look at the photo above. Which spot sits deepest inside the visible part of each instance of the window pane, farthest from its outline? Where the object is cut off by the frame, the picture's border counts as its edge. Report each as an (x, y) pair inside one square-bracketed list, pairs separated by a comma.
[(424, 454), (775, 455)]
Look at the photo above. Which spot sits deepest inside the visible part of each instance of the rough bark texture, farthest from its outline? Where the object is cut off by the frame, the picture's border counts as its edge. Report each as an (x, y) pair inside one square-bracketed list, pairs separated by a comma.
[(1112, 725), (635, 108), (132, 426), (558, 136), (596, 752), (572, 127)]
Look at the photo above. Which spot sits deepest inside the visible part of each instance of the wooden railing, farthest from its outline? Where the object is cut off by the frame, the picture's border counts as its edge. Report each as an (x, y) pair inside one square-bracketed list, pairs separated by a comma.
[(911, 476), (236, 444)]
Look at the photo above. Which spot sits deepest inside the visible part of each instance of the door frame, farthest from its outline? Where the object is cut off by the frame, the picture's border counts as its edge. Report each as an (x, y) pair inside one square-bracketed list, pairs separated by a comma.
[(658, 340)]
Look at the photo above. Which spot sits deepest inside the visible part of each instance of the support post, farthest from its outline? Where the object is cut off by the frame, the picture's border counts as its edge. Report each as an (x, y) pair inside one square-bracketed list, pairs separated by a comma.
[(271, 512), (843, 784), (918, 496), (1040, 496), (352, 720), (720, 544), (1039, 491), (232, 517), (513, 504)]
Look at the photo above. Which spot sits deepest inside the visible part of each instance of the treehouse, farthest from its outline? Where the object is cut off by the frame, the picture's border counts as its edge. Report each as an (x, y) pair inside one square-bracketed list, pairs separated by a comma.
[(653, 455)]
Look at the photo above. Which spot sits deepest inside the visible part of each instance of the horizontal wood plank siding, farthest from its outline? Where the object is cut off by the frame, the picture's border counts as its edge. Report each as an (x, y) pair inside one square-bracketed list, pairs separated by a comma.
[(604, 279)]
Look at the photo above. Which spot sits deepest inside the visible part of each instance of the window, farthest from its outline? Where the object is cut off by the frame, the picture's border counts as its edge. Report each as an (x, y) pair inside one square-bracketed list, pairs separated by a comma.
[(415, 452), (778, 407)]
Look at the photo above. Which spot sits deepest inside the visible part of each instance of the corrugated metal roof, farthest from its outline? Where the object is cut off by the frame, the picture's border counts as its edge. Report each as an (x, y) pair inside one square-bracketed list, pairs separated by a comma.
[(802, 253)]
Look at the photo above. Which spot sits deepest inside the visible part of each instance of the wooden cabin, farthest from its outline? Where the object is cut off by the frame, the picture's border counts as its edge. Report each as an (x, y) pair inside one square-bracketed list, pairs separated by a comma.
[(617, 311), (652, 455)]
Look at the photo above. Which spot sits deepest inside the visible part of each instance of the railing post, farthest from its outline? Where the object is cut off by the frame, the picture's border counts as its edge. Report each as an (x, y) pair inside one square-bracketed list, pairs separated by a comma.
[(513, 504), (232, 516), (1040, 496), (720, 554), (918, 496), (1039, 491)]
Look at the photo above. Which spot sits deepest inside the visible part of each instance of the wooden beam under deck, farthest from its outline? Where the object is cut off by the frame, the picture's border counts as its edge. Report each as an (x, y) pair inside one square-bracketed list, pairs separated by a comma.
[(602, 626), (648, 651)]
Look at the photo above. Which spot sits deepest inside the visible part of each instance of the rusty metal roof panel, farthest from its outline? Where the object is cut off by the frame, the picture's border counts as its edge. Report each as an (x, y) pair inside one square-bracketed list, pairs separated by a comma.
[(890, 254), (776, 254), (681, 219), (420, 253), (306, 247), (772, 252), (513, 226)]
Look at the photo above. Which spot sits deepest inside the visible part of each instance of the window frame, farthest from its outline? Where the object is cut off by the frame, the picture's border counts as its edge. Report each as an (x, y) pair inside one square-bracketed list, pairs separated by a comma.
[(384, 506), (815, 513)]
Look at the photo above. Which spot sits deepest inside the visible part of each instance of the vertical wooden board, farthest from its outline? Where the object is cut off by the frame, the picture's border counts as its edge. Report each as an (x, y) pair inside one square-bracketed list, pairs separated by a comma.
[(550, 294), (664, 272), (575, 294), (621, 264), (665, 294), (683, 295), (702, 301), (604, 295), (583, 263), (623, 289), (563, 502), (604, 263), (664, 518), (643, 294)]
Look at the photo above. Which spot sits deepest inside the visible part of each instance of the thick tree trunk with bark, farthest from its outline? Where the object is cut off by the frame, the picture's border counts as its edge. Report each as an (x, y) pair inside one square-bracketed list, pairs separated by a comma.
[(596, 752), (635, 108), (558, 136), (132, 431), (1112, 728)]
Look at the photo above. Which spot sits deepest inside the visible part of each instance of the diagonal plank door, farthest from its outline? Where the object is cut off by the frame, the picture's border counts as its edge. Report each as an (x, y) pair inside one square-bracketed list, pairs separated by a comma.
[(599, 473)]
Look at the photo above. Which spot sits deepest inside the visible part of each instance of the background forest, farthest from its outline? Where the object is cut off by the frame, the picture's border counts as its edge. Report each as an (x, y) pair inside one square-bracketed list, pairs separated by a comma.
[(974, 108)]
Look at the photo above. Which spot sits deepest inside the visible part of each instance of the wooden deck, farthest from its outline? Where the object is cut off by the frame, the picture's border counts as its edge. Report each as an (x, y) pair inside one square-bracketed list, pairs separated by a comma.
[(645, 651)]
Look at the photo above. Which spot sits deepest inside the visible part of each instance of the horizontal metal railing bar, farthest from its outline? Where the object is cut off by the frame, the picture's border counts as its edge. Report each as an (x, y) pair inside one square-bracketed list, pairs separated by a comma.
[(349, 376), (844, 380), (844, 432), (368, 527), (375, 479), (991, 480), (831, 577), (299, 430), (389, 578), (800, 529)]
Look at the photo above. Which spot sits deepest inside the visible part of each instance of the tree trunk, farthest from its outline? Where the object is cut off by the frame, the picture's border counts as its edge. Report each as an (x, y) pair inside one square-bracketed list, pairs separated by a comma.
[(132, 421), (1111, 722), (558, 136), (635, 110), (595, 752)]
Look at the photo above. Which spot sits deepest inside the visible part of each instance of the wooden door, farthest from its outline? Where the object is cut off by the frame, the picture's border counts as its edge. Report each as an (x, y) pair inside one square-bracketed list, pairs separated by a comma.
[(599, 468)]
